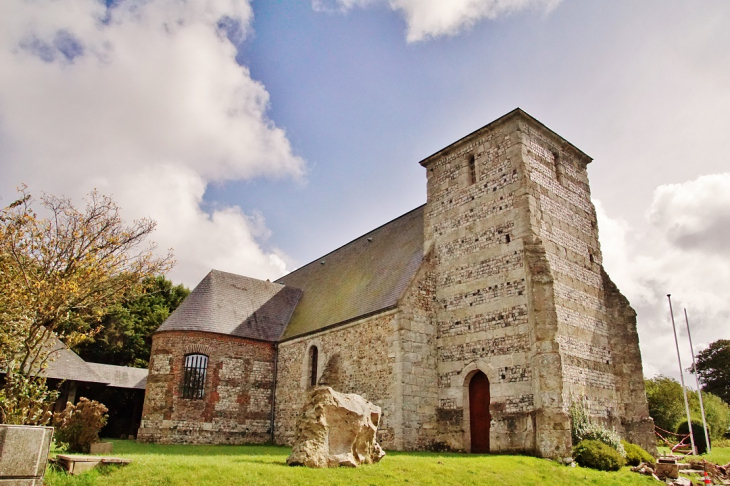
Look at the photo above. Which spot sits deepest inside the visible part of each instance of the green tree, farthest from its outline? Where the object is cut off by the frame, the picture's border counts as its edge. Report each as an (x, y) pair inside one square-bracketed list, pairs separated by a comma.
[(713, 369), (58, 275), (126, 331), (666, 406)]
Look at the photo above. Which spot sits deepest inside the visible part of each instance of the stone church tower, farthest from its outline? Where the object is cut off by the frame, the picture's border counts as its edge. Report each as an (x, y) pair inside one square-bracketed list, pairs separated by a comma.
[(521, 295), (473, 321)]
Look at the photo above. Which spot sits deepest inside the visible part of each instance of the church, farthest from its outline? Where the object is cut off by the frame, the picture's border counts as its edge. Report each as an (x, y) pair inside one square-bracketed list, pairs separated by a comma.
[(473, 321)]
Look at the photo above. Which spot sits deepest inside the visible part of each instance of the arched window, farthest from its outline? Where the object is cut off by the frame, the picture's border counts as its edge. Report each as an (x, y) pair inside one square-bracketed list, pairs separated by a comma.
[(313, 357), (196, 366)]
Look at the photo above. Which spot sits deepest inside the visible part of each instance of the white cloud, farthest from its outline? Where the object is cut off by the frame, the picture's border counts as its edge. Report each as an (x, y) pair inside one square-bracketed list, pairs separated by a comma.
[(427, 19), (145, 101), (678, 252)]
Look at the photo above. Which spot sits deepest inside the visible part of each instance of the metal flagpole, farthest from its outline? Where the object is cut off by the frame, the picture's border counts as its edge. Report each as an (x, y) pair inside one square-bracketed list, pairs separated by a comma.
[(681, 377), (697, 380)]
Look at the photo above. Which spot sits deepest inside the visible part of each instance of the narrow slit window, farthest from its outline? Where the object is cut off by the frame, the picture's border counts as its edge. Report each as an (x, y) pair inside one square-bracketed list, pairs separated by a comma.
[(313, 357), (196, 366), (507, 238), (472, 170), (559, 169)]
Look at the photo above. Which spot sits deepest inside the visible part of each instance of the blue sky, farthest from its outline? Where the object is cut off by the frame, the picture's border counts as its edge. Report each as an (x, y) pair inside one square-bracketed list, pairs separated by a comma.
[(263, 149)]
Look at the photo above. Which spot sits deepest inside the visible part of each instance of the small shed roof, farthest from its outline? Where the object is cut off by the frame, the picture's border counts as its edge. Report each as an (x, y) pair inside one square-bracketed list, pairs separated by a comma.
[(121, 376)]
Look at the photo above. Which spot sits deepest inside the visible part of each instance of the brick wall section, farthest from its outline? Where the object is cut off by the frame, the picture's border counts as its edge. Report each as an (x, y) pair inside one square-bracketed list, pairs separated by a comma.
[(366, 368), (236, 408)]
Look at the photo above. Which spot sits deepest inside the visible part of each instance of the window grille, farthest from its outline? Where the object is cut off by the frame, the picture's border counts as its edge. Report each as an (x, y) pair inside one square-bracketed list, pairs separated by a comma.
[(313, 356), (196, 366)]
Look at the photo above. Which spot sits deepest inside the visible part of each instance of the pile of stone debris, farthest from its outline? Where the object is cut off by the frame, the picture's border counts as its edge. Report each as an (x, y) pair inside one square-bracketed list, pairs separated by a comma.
[(668, 468)]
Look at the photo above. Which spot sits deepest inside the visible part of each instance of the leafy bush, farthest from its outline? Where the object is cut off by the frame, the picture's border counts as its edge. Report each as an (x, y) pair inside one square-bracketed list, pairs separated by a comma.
[(597, 455), (79, 425), (635, 454), (25, 400), (698, 433), (582, 429)]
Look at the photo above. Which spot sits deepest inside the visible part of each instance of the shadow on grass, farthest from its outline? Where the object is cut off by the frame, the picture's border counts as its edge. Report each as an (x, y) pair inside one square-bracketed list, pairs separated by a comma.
[(127, 447), (251, 453)]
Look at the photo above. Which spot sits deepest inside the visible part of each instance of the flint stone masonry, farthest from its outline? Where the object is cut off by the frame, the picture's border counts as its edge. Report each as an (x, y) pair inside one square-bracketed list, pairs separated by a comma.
[(485, 348), (491, 237), (483, 295), (490, 321), (503, 204), (367, 369), (500, 276), (485, 268)]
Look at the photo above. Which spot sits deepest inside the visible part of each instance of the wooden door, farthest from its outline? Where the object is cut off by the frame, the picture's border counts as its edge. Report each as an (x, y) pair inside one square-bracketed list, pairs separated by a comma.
[(479, 417)]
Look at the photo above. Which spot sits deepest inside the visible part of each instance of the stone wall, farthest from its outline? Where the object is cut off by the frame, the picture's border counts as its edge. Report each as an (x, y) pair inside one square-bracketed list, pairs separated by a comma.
[(558, 179), (237, 403), (415, 365), (597, 337), (520, 294), (366, 358), (475, 226), (633, 415)]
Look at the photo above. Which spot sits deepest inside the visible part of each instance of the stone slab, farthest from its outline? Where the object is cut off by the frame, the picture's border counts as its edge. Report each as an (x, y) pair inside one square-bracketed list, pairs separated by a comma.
[(21, 482), (24, 451), (78, 464)]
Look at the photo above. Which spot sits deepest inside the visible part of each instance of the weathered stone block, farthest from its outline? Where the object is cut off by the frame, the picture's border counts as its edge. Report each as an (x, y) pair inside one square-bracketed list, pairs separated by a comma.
[(24, 452), (336, 429)]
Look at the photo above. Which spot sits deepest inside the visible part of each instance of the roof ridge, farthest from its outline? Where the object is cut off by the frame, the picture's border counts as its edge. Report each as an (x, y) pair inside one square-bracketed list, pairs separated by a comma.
[(238, 275), (278, 280)]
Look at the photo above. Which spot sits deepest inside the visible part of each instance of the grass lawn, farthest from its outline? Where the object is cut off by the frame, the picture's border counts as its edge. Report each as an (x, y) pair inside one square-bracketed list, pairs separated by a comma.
[(266, 465), (719, 455)]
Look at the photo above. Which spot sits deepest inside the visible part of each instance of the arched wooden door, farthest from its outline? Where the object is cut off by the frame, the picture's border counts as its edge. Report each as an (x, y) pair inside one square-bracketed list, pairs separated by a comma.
[(479, 418)]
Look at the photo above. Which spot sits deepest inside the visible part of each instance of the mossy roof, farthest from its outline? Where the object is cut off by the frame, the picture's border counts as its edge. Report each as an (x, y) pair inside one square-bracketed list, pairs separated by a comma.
[(365, 276)]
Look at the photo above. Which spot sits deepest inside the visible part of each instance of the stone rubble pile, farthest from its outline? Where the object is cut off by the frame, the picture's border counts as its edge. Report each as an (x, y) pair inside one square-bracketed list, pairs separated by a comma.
[(336, 429), (668, 472)]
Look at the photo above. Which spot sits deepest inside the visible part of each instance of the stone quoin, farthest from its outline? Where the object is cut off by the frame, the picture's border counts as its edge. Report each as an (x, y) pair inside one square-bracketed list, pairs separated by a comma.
[(473, 321)]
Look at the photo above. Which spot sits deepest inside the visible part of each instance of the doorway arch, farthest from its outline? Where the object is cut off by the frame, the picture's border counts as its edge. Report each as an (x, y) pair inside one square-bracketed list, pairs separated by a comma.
[(479, 417)]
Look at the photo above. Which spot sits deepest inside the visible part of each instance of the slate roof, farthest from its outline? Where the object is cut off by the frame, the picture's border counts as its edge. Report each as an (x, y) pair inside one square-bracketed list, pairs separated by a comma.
[(121, 376), (67, 365), (365, 276), (231, 304)]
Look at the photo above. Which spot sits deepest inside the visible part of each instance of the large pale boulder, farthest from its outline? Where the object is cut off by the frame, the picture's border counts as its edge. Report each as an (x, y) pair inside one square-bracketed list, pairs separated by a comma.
[(336, 429)]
